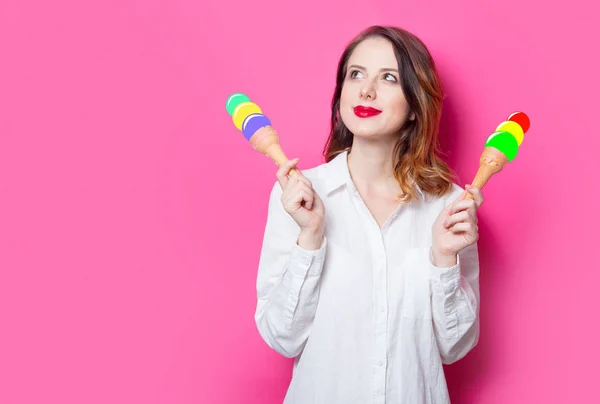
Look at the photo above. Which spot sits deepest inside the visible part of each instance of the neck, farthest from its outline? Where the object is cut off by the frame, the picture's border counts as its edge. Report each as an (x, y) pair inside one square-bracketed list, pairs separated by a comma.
[(371, 164)]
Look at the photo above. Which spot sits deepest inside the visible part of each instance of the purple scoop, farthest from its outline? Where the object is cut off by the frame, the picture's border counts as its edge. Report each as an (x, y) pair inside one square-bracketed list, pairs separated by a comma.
[(253, 123)]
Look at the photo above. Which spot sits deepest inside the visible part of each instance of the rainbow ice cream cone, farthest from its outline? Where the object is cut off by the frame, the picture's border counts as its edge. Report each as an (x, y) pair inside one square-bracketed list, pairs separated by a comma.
[(256, 127), (500, 148)]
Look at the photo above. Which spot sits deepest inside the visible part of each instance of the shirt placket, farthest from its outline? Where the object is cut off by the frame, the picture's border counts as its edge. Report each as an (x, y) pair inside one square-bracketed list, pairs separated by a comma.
[(379, 264), (380, 319)]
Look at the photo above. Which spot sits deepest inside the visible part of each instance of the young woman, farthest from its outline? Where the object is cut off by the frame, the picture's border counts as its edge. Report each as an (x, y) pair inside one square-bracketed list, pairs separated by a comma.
[(368, 274)]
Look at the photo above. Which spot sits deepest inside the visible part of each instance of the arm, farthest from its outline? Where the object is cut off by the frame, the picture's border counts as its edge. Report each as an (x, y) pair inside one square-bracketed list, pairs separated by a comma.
[(455, 304), (287, 281)]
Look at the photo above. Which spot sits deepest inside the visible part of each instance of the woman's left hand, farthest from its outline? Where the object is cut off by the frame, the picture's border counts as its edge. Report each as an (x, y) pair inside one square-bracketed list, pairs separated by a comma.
[(455, 228)]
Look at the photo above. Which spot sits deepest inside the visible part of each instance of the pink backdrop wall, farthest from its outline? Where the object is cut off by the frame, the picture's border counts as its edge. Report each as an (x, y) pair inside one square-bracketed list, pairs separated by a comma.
[(132, 210)]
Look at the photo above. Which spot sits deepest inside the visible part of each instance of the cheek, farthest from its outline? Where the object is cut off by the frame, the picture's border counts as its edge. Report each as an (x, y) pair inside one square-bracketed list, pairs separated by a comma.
[(399, 106), (347, 101), (346, 95), (346, 114)]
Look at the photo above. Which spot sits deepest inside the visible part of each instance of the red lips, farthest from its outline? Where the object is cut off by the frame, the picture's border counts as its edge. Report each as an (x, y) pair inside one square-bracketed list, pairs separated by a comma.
[(365, 112)]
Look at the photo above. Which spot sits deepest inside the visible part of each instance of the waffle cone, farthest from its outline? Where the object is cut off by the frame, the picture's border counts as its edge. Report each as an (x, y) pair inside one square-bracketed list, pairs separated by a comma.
[(491, 161), (266, 141)]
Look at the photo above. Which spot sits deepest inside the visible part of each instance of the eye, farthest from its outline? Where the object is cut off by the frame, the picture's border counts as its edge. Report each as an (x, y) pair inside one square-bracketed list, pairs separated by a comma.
[(354, 74), (390, 77)]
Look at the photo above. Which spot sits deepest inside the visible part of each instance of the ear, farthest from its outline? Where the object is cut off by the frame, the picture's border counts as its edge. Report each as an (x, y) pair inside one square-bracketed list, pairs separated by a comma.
[(412, 117)]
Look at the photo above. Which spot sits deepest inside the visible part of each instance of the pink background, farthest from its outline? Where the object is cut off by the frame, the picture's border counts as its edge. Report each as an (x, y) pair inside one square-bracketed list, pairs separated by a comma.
[(132, 210)]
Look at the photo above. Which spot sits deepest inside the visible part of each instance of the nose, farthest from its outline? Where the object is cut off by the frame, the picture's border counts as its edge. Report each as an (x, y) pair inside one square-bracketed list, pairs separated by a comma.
[(367, 91)]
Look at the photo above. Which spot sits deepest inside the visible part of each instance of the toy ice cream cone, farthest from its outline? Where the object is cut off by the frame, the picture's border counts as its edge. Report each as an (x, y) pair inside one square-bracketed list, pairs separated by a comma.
[(501, 147), (256, 127)]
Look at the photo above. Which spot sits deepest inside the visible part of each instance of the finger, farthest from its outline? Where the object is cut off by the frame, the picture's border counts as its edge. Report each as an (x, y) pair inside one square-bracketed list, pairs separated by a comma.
[(308, 197), (318, 205), (305, 197), (294, 171), (463, 205), (283, 171), (477, 194), (464, 227), (299, 177), (302, 178), (456, 218), (295, 184), (307, 192), (461, 197), (294, 200), (449, 208), (299, 194)]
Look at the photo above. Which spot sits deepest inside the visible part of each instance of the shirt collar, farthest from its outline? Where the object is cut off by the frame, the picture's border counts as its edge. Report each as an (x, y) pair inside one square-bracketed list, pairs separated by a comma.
[(338, 175)]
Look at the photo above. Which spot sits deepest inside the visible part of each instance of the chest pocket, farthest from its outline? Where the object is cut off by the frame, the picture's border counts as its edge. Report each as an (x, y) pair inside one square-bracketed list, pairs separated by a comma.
[(417, 290)]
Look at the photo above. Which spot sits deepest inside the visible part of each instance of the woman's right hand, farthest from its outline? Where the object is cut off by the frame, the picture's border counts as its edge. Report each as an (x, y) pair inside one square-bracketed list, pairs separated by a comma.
[(302, 203)]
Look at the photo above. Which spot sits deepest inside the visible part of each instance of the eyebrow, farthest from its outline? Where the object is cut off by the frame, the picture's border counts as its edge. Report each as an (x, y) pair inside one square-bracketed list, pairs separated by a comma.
[(385, 69)]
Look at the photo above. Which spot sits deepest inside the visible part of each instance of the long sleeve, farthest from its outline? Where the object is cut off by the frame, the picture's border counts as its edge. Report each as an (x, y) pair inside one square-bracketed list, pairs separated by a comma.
[(287, 282), (455, 305)]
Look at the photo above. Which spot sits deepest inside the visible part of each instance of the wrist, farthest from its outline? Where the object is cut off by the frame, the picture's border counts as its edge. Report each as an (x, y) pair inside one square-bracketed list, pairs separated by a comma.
[(310, 239), (442, 259)]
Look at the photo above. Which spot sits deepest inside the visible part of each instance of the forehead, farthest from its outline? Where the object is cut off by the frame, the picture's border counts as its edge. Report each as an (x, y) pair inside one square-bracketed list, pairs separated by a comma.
[(374, 53)]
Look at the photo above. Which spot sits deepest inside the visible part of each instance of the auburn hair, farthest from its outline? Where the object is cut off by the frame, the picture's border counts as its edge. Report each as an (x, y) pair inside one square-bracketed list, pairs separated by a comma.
[(416, 154)]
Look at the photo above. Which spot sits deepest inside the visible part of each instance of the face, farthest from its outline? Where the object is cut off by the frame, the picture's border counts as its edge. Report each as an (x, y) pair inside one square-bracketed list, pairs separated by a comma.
[(372, 102)]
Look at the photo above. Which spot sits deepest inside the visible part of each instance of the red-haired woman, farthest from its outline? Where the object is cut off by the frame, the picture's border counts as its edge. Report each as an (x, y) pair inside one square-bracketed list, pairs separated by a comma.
[(368, 273)]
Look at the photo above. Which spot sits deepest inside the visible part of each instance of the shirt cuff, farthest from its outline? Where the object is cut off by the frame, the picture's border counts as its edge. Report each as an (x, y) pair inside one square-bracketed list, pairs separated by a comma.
[(308, 262), (449, 276)]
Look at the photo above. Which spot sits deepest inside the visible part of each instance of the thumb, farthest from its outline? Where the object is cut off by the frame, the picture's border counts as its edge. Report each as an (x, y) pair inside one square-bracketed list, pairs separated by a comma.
[(461, 197)]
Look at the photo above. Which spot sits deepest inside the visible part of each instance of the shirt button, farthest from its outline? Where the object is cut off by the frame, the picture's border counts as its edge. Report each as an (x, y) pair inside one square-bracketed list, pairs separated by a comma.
[(381, 310), (380, 363)]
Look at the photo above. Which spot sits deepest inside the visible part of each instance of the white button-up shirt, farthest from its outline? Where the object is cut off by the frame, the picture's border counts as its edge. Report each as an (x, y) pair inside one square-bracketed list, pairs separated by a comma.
[(367, 317)]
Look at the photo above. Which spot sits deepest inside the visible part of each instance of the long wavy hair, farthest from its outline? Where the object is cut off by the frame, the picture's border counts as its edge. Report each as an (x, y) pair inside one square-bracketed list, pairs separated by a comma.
[(416, 154)]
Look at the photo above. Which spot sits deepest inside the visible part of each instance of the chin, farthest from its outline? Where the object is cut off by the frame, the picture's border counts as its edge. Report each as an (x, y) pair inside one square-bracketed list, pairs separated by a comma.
[(360, 126), (364, 129), (372, 133), (364, 132)]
